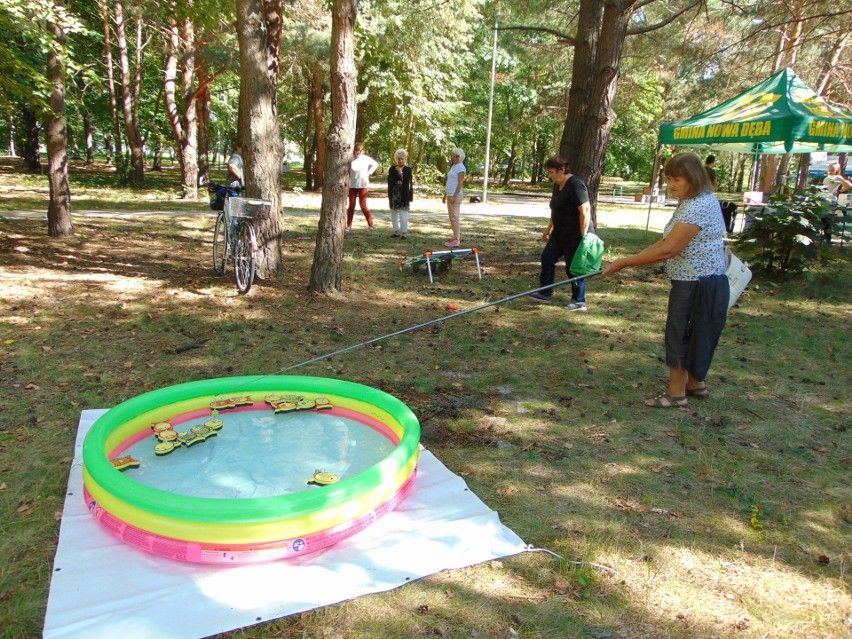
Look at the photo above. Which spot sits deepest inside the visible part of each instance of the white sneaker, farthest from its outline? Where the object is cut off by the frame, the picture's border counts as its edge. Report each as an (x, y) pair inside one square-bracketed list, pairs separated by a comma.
[(576, 306)]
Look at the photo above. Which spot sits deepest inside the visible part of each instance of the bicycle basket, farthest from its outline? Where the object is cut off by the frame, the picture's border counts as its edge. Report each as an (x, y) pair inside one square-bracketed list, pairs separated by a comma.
[(250, 208)]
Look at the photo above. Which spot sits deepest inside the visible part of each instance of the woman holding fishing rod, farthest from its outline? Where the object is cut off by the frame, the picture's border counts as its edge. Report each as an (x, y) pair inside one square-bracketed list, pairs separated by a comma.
[(694, 254)]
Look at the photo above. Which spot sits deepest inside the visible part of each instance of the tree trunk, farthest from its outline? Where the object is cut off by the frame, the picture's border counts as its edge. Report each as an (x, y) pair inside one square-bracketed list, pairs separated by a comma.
[(327, 268), (510, 165), (157, 162), (128, 92), (12, 151), (360, 111), (740, 181), (59, 208), (31, 146), (182, 117), (804, 167), (202, 116), (309, 142), (259, 35), (601, 31), (113, 101), (170, 69), (318, 89)]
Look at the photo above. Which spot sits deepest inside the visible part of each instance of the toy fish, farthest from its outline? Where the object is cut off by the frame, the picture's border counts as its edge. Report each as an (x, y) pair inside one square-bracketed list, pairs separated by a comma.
[(123, 463), (164, 448), (323, 478), (214, 424)]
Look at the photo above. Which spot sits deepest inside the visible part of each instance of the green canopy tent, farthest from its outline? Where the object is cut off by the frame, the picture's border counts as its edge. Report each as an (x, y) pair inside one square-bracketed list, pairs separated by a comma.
[(782, 114)]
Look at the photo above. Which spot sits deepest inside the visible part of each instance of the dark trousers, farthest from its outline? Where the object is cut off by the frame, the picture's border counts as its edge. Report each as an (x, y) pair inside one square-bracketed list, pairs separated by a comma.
[(361, 196), (698, 311), (554, 251)]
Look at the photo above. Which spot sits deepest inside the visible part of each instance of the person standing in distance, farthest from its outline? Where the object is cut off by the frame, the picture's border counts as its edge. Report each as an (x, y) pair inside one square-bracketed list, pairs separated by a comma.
[(400, 193), (360, 170), (709, 165), (570, 214), (235, 167), (453, 194)]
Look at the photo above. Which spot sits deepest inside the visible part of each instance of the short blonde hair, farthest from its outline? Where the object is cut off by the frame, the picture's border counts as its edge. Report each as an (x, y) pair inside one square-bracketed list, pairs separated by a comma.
[(457, 151), (400, 153), (689, 167)]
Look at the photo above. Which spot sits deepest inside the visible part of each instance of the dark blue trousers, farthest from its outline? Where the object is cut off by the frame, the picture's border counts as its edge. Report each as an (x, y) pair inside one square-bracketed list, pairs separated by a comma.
[(554, 251)]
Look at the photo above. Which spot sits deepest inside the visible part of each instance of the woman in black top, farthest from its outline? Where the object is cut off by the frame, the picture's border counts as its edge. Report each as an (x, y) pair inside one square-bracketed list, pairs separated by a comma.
[(400, 193), (570, 213)]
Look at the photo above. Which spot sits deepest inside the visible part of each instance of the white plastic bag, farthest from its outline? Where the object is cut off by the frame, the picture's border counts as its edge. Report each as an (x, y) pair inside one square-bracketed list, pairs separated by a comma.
[(739, 275)]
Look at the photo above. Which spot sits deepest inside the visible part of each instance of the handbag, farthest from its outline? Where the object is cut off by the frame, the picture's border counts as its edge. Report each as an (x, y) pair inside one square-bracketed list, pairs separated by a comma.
[(739, 275), (588, 256), (737, 272)]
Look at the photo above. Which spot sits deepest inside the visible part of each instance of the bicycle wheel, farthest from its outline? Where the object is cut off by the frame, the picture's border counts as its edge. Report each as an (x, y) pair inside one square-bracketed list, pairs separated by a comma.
[(244, 259), (221, 244)]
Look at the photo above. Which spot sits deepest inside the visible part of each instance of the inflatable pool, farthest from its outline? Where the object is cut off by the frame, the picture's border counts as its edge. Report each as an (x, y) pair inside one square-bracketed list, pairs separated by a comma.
[(242, 470)]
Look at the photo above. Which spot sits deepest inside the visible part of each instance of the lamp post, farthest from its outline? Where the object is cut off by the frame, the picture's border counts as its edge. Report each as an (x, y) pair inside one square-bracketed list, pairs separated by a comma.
[(490, 113)]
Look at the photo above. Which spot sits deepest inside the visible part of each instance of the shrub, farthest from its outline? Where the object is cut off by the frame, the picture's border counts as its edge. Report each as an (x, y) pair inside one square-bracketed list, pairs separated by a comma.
[(786, 237)]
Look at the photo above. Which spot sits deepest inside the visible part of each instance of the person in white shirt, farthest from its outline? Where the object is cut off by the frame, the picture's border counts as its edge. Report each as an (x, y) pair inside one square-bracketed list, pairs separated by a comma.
[(453, 194), (362, 167)]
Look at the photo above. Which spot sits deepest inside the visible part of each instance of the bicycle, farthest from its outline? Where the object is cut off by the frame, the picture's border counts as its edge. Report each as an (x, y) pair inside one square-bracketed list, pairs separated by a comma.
[(234, 239)]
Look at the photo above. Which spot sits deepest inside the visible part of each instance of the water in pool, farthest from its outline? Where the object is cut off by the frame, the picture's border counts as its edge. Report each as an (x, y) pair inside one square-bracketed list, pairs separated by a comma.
[(261, 454)]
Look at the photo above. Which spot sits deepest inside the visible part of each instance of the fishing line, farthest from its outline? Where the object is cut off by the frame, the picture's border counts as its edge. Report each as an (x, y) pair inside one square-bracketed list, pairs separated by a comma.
[(414, 328)]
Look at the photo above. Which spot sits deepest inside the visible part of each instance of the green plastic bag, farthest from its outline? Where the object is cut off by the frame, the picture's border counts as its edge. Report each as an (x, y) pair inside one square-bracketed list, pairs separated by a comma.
[(589, 255)]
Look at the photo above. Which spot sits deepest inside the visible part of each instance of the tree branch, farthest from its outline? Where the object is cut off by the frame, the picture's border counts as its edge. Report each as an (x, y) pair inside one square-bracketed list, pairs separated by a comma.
[(562, 37), (669, 20)]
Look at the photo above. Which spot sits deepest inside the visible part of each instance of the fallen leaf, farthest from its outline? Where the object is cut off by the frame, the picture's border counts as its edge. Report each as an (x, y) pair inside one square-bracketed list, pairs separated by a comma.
[(24, 509), (10, 341), (31, 386), (671, 433), (57, 515), (823, 559), (742, 426)]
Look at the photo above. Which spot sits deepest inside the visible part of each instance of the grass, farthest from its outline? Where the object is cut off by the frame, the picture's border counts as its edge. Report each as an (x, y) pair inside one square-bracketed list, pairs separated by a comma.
[(539, 410)]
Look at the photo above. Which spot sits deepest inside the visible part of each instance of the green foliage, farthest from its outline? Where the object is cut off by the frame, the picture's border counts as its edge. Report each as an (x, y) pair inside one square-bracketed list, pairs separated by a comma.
[(785, 237)]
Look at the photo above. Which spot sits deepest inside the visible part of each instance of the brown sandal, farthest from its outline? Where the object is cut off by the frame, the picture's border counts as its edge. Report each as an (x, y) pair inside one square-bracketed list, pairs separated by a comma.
[(698, 393), (668, 401)]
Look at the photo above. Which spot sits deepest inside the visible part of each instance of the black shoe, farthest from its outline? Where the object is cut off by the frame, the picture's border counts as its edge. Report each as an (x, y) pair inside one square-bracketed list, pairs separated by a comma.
[(538, 297)]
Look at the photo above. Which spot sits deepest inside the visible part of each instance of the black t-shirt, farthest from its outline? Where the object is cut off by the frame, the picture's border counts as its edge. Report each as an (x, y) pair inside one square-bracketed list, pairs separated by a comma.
[(565, 208), (711, 173)]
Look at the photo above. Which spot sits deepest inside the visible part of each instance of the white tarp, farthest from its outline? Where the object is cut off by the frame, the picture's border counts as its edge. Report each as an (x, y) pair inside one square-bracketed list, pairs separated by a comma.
[(101, 588)]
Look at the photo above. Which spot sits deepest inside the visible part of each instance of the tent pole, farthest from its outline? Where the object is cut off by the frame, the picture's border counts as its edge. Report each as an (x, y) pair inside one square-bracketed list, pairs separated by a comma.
[(755, 168)]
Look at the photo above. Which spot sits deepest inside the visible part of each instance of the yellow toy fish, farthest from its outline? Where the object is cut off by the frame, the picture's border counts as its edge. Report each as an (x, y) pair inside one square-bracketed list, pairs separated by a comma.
[(323, 478), (123, 463)]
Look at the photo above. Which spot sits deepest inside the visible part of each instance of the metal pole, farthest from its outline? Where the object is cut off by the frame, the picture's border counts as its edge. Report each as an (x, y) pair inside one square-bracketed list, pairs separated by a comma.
[(437, 320), (490, 113)]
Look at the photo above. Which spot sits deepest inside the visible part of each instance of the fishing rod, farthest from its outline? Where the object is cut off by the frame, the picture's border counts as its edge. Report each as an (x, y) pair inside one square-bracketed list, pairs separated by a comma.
[(437, 320)]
